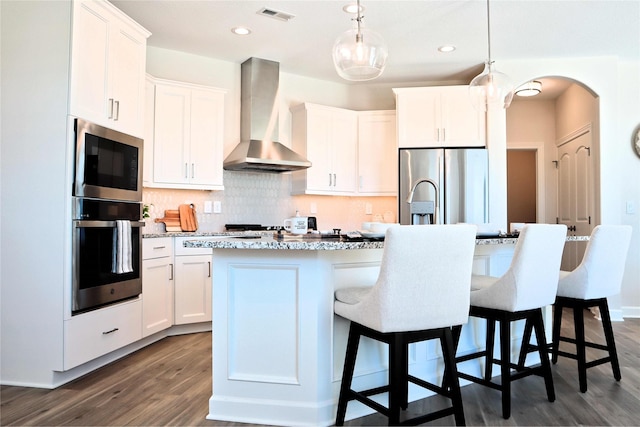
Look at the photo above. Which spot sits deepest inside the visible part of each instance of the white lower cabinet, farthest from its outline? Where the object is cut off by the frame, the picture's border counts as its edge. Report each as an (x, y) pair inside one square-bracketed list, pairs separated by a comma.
[(192, 286), (157, 285), (91, 335)]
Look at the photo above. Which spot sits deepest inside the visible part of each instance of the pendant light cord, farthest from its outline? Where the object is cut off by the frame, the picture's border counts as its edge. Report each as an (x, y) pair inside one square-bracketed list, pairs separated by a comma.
[(359, 20), (488, 31)]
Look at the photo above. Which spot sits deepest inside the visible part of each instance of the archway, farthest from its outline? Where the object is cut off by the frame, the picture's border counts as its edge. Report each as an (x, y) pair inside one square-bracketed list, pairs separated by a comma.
[(548, 124)]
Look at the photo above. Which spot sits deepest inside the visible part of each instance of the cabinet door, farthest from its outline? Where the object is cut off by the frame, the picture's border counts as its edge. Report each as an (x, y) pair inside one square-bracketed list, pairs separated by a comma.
[(171, 135), (89, 62), (462, 125), (206, 148), (192, 289), (157, 295), (377, 153), (127, 68), (108, 58), (418, 117), (343, 144), (318, 144), (149, 114)]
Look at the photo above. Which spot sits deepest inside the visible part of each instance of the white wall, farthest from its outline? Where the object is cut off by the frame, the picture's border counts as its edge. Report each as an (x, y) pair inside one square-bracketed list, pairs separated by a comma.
[(531, 125), (35, 190)]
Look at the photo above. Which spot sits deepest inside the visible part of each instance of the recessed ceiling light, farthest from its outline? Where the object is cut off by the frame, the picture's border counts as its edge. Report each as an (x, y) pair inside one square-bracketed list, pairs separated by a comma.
[(353, 8), (446, 48), (241, 31)]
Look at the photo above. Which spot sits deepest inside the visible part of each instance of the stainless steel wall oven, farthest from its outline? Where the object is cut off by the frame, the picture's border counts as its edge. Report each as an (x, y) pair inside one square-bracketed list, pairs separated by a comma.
[(107, 209)]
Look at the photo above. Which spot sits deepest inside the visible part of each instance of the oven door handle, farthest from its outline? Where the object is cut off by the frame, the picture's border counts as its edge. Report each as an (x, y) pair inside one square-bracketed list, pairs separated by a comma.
[(103, 224)]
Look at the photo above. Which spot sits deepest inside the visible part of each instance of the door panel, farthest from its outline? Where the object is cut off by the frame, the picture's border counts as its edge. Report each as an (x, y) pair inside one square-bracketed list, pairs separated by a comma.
[(575, 189)]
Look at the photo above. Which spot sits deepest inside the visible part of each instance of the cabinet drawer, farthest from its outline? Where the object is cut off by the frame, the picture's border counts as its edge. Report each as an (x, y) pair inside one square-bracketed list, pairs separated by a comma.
[(157, 247), (91, 335)]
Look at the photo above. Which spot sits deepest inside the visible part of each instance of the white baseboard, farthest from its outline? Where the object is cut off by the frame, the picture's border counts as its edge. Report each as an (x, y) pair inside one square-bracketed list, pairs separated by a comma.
[(630, 312)]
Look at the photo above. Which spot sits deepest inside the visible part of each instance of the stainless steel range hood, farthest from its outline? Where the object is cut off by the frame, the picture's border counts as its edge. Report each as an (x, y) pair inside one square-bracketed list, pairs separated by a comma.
[(258, 151)]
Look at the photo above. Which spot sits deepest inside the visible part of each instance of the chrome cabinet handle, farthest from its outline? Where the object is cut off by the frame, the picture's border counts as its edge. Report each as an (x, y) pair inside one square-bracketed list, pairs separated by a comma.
[(334, 180), (186, 170), (171, 268), (193, 170), (444, 134), (209, 262), (117, 115), (158, 247), (110, 116), (111, 331)]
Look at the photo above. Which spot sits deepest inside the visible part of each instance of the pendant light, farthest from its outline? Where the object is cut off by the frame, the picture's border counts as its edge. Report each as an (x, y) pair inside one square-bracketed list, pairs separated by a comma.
[(359, 54), (491, 88)]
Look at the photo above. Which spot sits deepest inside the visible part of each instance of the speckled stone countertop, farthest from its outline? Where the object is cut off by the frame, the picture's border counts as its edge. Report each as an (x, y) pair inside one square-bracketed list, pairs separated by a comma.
[(268, 241)]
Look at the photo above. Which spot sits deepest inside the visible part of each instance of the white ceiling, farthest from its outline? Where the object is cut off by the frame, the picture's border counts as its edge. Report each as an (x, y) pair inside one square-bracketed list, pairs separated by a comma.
[(413, 31)]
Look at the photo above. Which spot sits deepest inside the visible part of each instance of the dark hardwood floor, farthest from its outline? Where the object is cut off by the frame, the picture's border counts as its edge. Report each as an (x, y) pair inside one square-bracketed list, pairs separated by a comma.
[(169, 383)]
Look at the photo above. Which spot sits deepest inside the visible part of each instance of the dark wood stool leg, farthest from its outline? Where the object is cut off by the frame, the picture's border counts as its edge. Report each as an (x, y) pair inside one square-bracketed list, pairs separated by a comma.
[(524, 348), (578, 321), (456, 331), (557, 323), (505, 370), (608, 334), (347, 375), (544, 355), (491, 332), (397, 380), (447, 341)]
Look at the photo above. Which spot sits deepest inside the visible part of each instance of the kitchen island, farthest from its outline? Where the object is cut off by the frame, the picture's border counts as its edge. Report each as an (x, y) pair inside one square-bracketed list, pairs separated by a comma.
[(278, 349)]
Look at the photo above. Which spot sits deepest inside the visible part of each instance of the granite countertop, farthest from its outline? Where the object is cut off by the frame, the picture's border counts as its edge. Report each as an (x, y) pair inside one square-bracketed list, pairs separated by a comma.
[(268, 240)]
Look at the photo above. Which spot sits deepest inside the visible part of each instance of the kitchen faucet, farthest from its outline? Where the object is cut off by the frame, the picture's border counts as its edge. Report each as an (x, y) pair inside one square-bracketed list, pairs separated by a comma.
[(435, 188)]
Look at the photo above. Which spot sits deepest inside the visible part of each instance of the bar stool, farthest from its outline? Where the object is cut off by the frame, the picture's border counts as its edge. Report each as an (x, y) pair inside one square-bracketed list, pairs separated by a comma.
[(598, 276), (529, 284), (422, 290)]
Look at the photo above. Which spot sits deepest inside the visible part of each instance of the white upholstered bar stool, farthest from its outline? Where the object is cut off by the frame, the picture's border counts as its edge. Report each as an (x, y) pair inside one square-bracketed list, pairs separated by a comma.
[(598, 276), (529, 284), (421, 291)]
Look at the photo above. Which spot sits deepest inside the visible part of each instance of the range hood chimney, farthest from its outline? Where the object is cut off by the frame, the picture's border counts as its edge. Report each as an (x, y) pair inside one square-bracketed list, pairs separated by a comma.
[(258, 151)]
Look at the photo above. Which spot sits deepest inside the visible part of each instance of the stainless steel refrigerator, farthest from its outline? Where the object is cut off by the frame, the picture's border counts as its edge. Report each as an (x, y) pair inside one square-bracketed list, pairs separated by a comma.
[(443, 186)]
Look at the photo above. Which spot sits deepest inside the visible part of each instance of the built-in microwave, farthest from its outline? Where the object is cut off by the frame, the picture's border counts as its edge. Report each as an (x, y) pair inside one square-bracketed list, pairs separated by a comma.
[(108, 164)]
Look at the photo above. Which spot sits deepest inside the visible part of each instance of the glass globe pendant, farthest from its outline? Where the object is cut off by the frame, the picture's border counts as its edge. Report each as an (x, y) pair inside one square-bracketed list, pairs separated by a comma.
[(359, 54), (491, 88)]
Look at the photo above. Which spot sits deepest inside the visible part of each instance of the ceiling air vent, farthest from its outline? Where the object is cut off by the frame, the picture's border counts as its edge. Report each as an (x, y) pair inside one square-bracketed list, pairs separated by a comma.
[(276, 14)]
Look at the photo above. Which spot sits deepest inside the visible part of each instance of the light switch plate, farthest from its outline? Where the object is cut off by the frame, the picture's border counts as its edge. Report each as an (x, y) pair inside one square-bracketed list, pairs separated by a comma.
[(217, 206), (631, 207), (207, 206)]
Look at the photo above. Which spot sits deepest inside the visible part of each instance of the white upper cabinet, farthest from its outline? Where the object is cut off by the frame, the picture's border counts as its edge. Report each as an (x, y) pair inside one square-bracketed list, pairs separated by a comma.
[(439, 116), (186, 143), (377, 153), (327, 137), (108, 57)]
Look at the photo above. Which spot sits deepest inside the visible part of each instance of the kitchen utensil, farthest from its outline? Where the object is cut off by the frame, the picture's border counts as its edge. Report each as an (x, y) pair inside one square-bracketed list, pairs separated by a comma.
[(171, 220), (297, 225), (188, 220)]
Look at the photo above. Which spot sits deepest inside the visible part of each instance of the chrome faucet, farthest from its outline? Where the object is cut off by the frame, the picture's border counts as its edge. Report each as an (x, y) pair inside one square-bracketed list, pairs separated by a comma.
[(435, 188)]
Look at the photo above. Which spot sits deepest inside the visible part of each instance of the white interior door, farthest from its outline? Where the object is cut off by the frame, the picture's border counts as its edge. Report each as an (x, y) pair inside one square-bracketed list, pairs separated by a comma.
[(575, 194)]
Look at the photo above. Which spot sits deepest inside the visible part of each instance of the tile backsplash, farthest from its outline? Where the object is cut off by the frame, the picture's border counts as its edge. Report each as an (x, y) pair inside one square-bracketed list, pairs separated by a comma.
[(264, 198)]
